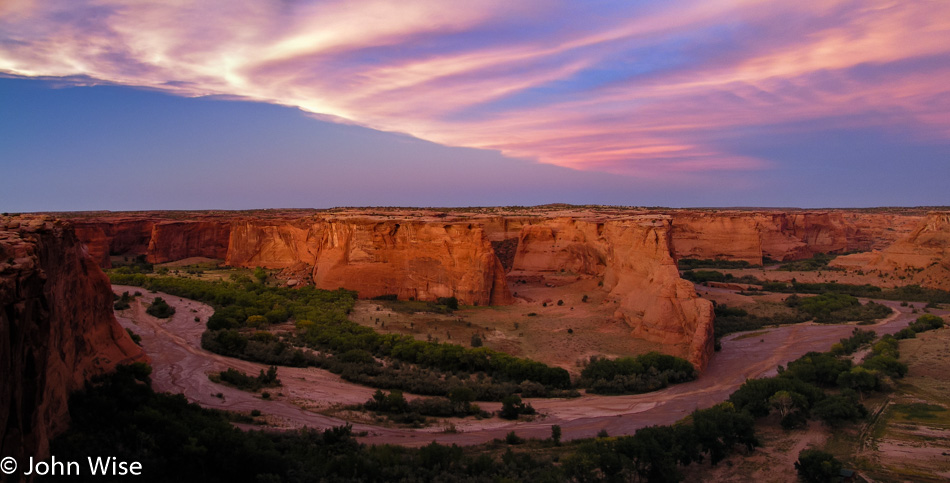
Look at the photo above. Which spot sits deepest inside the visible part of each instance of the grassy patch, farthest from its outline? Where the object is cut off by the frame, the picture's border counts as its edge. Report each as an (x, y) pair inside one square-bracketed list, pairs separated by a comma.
[(815, 263), (416, 306), (919, 410)]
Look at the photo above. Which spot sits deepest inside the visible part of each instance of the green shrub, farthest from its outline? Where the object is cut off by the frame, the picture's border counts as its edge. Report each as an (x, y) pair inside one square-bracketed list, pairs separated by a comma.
[(160, 309), (512, 438), (245, 382), (135, 337), (451, 303), (816, 466), (512, 407), (926, 322), (829, 308), (644, 373), (817, 262)]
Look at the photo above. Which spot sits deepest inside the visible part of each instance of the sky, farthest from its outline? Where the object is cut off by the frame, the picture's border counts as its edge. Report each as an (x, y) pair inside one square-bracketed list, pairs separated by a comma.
[(175, 104)]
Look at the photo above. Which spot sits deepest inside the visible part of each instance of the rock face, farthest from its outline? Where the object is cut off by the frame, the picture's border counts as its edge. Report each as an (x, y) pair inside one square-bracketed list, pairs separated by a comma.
[(561, 244), (57, 329), (426, 254), (114, 237), (172, 241), (728, 236), (923, 257), (160, 241), (634, 259), (273, 244), (654, 300), (410, 259), (751, 236)]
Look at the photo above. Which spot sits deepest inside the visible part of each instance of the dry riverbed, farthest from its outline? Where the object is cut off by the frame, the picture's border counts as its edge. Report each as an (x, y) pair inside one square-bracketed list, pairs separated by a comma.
[(182, 366)]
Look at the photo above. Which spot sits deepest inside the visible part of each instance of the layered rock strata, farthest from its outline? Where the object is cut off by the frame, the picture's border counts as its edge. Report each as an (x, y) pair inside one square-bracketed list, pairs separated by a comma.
[(57, 329), (782, 236), (409, 259), (923, 257), (114, 237), (172, 241), (634, 259)]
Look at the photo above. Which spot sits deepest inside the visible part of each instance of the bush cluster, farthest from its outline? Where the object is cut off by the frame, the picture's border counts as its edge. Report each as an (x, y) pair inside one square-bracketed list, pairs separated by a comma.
[(799, 391), (245, 382), (160, 308), (832, 308), (631, 375), (817, 262), (414, 412), (922, 324), (122, 302)]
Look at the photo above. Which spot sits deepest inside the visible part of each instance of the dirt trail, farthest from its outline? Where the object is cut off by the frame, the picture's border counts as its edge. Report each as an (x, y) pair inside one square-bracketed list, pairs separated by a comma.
[(181, 366)]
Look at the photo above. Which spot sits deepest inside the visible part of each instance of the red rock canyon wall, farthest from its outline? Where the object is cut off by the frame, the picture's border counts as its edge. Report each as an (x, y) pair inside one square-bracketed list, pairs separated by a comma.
[(57, 329)]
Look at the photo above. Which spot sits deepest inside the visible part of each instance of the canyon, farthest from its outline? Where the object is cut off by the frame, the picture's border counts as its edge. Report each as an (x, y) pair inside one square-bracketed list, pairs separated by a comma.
[(57, 329), (282, 238), (427, 256), (475, 255)]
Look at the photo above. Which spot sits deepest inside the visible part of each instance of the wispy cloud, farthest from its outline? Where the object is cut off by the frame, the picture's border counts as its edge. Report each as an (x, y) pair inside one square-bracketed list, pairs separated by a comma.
[(626, 87)]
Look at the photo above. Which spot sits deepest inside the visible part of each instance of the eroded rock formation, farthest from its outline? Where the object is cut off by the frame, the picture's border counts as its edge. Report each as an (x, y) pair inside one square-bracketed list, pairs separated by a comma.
[(57, 329), (425, 254), (654, 300), (752, 236), (410, 259), (923, 257), (178, 240), (561, 244), (103, 238), (634, 258)]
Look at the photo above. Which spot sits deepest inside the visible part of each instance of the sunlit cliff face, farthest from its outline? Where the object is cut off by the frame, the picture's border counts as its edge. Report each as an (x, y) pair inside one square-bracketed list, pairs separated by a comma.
[(643, 88)]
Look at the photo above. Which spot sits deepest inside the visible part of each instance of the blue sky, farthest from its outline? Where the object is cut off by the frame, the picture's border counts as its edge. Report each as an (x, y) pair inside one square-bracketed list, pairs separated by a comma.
[(243, 105)]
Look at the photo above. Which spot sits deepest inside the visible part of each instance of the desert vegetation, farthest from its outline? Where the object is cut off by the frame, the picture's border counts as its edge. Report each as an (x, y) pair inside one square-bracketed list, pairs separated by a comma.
[(122, 302), (909, 293), (827, 308), (631, 375), (120, 415), (247, 325), (817, 262), (244, 382), (459, 404), (159, 308)]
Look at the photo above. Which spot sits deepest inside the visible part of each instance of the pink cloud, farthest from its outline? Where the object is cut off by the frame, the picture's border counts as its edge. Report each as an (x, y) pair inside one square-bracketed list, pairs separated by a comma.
[(402, 67)]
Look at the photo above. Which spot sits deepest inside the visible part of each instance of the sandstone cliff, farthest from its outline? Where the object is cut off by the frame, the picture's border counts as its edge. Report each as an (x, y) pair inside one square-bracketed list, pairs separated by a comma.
[(172, 241), (411, 259), (159, 240), (654, 300), (57, 329), (923, 257), (751, 236), (718, 235), (633, 256), (273, 244), (561, 244), (103, 238)]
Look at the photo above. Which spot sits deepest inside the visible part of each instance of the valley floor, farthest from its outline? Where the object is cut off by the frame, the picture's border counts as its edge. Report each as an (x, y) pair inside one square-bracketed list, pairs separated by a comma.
[(181, 366)]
